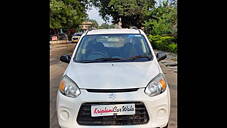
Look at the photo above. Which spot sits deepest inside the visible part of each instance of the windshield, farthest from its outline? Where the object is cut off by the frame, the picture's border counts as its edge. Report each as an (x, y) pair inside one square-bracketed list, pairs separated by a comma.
[(113, 47)]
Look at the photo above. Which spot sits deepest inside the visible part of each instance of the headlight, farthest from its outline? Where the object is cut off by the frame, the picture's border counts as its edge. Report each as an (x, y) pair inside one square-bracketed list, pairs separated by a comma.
[(69, 88), (156, 86)]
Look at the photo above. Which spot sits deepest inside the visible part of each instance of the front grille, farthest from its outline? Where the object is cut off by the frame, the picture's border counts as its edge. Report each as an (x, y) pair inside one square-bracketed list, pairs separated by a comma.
[(112, 90), (140, 117)]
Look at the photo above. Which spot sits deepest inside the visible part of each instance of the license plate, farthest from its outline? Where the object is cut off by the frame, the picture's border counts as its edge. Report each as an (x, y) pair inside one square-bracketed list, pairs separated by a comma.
[(110, 110)]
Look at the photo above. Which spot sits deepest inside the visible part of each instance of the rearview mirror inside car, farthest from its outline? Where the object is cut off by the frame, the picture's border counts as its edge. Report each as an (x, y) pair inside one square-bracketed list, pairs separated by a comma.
[(161, 56), (65, 58)]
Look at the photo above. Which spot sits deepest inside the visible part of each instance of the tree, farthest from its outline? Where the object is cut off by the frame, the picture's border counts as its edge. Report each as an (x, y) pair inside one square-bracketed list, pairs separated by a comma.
[(165, 22), (67, 13), (131, 12)]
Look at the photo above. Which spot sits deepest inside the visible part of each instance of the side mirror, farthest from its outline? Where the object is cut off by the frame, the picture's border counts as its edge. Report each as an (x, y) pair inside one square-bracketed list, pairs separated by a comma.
[(65, 58), (161, 56)]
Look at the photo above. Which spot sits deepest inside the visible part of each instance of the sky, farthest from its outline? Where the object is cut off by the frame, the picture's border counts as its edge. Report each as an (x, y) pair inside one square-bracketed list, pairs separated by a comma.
[(93, 13)]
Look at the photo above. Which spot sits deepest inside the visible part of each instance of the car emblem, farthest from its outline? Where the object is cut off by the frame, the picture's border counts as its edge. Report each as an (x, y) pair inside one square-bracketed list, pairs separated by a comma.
[(112, 96)]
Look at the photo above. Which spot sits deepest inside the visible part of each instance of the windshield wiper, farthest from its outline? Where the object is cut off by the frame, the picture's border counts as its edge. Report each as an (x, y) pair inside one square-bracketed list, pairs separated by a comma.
[(115, 59), (138, 57), (101, 60)]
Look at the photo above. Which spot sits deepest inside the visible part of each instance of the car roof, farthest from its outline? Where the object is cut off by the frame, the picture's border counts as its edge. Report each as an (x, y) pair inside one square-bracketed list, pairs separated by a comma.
[(113, 31)]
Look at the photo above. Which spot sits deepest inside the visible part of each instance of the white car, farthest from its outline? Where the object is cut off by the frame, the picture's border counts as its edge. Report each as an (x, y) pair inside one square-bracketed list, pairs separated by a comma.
[(113, 80)]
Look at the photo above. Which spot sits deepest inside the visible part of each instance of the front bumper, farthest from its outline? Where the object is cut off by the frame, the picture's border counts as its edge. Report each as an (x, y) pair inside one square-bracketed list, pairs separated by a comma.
[(158, 107)]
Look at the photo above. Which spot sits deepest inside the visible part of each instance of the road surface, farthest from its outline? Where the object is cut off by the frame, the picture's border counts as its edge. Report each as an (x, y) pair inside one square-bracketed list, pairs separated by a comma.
[(57, 68)]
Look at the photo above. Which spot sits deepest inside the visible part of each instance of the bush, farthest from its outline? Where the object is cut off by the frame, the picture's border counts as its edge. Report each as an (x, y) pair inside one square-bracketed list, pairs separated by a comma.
[(172, 48), (165, 43)]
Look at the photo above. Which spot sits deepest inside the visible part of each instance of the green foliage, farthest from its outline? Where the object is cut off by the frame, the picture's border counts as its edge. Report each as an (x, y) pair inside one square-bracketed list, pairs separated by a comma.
[(67, 13), (173, 48), (165, 21), (161, 23), (165, 43), (131, 12)]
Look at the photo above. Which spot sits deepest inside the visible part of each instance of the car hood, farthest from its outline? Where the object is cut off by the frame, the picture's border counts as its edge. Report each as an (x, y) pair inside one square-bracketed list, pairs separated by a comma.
[(120, 75)]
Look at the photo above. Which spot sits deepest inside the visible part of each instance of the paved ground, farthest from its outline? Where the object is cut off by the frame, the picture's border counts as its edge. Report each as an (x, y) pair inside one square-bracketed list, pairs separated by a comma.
[(57, 68)]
